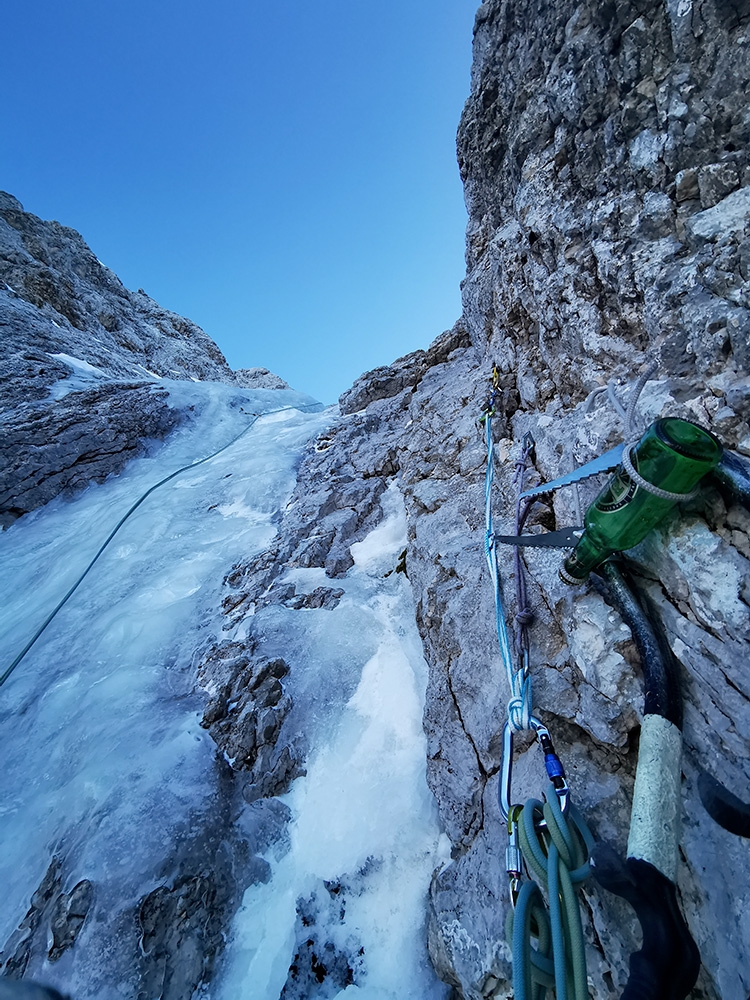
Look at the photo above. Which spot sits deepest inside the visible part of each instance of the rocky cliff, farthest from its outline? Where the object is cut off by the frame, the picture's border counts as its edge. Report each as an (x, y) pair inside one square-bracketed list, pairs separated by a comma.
[(603, 150), (604, 156), (81, 361)]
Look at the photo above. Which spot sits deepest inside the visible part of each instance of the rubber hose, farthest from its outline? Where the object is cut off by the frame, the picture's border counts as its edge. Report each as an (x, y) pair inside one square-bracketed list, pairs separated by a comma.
[(732, 477), (660, 676)]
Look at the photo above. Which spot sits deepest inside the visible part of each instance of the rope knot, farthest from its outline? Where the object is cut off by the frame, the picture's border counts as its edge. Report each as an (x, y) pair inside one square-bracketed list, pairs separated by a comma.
[(519, 706), (525, 616)]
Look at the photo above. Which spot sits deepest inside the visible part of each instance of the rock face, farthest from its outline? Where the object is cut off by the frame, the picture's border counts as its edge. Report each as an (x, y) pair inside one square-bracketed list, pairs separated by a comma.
[(604, 154), (80, 364)]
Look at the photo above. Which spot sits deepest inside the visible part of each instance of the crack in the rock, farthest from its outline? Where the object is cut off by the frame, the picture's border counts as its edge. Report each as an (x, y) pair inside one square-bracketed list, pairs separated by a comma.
[(730, 682), (463, 724), (473, 830), (596, 940)]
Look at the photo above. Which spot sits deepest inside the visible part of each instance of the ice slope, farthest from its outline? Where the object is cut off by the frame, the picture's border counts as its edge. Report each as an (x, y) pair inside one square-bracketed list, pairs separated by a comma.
[(103, 756), (364, 838)]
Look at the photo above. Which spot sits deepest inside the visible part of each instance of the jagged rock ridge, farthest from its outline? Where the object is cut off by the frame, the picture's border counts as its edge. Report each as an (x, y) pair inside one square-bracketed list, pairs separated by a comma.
[(81, 362)]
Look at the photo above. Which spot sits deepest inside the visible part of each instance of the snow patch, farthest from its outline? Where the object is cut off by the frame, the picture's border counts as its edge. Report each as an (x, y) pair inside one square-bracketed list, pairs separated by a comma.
[(80, 365), (378, 551)]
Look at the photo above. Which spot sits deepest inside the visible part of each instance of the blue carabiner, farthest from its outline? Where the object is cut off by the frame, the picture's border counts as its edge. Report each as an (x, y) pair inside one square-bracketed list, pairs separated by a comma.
[(552, 763)]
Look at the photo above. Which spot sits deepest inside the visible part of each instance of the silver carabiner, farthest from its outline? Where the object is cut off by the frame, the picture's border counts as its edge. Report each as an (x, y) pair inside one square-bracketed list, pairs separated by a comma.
[(506, 774), (552, 763)]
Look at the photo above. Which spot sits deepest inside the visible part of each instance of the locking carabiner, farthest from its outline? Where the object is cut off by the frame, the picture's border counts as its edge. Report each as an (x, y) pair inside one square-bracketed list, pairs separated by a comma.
[(552, 763), (512, 813)]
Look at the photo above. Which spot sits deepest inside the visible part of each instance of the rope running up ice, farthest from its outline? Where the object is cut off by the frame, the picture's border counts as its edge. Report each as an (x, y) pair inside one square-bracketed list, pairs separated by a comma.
[(50, 617)]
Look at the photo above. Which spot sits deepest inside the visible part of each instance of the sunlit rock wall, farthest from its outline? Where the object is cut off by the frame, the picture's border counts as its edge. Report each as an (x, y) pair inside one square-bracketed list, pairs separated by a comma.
[(604, 156), (603, 150)]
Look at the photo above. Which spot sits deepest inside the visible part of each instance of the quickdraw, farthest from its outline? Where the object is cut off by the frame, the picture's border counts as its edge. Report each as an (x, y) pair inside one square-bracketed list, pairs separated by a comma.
[(549, 838)]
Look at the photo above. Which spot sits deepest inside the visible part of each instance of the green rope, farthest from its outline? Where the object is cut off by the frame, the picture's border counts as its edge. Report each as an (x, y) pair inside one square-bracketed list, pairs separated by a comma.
[(557, 856)]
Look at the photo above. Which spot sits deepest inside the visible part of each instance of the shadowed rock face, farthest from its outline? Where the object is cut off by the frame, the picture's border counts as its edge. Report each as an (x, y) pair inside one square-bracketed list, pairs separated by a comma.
[(60, 306), (604, 155), (48, 449)]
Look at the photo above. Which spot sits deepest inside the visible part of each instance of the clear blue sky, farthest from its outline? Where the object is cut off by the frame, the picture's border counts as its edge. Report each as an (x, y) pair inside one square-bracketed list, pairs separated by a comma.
[(283, 172)]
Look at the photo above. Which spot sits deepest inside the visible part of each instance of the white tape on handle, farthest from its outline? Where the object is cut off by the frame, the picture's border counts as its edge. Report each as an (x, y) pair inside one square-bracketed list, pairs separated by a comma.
[(655, 816)]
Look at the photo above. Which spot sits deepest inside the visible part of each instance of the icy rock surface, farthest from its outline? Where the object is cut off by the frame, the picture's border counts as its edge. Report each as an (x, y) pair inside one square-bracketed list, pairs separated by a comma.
[(81, 362), (294, 850), (607, 229), (604, 155), (122, 861)]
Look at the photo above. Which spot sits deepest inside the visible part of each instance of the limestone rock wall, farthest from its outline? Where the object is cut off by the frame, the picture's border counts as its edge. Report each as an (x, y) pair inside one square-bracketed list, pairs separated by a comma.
[(81, 358), (604, 155)]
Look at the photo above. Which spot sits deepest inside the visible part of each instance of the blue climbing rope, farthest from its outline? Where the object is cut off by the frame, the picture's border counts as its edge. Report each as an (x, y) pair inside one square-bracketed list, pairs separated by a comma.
[(551, 837), (519, 681)]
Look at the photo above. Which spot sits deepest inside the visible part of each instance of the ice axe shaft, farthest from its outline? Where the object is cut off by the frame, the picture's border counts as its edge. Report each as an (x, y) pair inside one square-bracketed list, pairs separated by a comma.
[(667, 965)]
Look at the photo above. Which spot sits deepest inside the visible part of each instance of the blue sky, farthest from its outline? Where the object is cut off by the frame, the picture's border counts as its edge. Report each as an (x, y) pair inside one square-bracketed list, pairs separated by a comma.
[(282, 172)]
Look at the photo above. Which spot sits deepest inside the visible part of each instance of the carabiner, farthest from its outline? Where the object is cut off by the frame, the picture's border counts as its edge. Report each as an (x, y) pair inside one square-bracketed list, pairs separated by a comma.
[(552, 763), (506, 773)]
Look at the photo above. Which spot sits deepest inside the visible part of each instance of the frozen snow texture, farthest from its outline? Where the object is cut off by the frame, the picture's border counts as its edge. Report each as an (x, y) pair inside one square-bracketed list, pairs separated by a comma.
[(105, 760), (103, 755), (364, 820)]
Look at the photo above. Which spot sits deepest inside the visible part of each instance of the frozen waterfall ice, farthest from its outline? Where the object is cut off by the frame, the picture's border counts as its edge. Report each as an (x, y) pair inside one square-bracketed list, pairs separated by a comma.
[(104, 759)]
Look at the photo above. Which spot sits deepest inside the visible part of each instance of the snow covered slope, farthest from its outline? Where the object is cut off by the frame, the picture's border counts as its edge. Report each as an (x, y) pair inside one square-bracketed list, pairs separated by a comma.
[(124, 827)]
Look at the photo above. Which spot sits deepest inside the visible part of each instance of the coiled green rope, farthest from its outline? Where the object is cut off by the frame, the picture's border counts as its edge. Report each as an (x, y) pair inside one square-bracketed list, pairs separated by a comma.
[(556, 853)]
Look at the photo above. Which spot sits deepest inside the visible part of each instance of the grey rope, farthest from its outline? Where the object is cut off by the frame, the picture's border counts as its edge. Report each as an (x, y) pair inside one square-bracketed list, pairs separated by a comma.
[(612, 397), (626, 415), (592, 397), (631, 434), (643, 378)]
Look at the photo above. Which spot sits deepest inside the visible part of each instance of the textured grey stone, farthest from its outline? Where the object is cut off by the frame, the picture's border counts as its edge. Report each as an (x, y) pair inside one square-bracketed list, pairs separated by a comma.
[(258, 378), (716, 181), (686, 185), (86, 436), (319, 967), (591, 248), (59, 306)]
